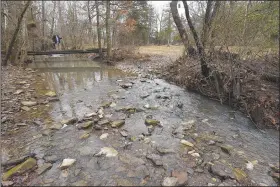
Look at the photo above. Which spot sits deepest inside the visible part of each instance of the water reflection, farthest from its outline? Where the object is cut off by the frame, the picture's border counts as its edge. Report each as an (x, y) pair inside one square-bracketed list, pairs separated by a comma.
[(78, 83), (64, 76)]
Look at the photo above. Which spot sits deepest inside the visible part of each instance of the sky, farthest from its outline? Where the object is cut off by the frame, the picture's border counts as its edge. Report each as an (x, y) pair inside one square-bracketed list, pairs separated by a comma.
[(159, 6)]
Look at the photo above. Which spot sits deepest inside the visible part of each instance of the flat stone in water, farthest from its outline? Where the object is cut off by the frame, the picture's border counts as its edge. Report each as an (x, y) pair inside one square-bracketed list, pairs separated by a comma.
[(25, 108), (181, 176), (123, 133), (221, 170), (91, 115), (117, 123), (69, 121), (84, 136), (104, 122), (156, 159), (43, 168), (169, 181), (85, 125), (29, 103), (67, 163), (56, 126), (50, 94), (152, 122), (187, 143), (80, 183), (104, 136), (108, 152)]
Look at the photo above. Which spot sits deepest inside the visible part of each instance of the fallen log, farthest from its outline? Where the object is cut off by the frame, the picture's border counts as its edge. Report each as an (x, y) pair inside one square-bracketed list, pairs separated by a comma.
[(17, 161)]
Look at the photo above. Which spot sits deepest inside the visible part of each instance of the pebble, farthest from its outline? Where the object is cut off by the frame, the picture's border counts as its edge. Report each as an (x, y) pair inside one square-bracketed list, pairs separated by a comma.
[(67, 163), (185, 142), (195, 154), (181, 176), (108, 152), (104, 136), (169, 181), (123, 133), (211, 142), (215, 156)]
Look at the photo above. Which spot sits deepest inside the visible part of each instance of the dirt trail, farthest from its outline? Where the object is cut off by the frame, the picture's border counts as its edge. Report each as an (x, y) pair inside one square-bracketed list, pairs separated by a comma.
[(133, 129)]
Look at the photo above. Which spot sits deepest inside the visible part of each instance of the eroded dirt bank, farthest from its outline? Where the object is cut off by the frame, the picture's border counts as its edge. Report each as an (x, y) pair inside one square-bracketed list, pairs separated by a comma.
[(123, 129)]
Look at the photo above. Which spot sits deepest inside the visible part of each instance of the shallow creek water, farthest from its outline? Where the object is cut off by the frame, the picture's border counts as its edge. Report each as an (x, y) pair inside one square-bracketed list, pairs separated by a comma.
[(82, 85)]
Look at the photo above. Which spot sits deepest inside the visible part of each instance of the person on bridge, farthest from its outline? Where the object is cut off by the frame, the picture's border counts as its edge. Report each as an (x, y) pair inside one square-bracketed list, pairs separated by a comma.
[(57, 39)]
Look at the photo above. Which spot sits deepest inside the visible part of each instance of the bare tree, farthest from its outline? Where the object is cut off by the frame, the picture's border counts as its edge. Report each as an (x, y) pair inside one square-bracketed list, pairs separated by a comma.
[(98, 27), (179, 25), (108, 30), (12, 42)]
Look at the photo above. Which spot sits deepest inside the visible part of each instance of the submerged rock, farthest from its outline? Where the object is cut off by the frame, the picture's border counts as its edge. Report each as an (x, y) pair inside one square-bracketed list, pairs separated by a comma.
[(80, 183), (104, 136), (43, 168), (221, 170), (67, 162), (50, 94), (21, 168), (108, 152), (152, 122), (169, 181), (104, 122), (117, 123), (123, 133), (29, 103), (69, 121), (239, 174), (226, 148), (51, 159), (106, 104), (84, 136), (18, 92), (162, 150), (56, 126), (85, 125), (126, 85), (156, 159), (187, 143), (91, 115), (25, 108), (181, 176)]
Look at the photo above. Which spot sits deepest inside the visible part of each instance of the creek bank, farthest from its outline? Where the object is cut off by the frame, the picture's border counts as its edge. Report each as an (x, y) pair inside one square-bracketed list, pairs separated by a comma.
[(258, 98)]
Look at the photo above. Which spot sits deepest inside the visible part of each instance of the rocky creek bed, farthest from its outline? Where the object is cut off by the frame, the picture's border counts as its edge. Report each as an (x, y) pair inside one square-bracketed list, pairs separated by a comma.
[(98, 127)]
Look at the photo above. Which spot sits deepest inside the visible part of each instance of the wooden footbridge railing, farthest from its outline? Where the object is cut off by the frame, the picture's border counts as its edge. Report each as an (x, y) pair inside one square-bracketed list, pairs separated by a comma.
[(64, 52)]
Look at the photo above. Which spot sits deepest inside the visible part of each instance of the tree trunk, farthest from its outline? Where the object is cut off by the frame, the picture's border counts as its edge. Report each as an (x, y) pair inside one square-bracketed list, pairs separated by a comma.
[(108, 32), (205, 29), (245, 23), (90, 23), (98, 28), (169, 28), (182, 31), (8, 54), (53, 14), (204, 67)]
